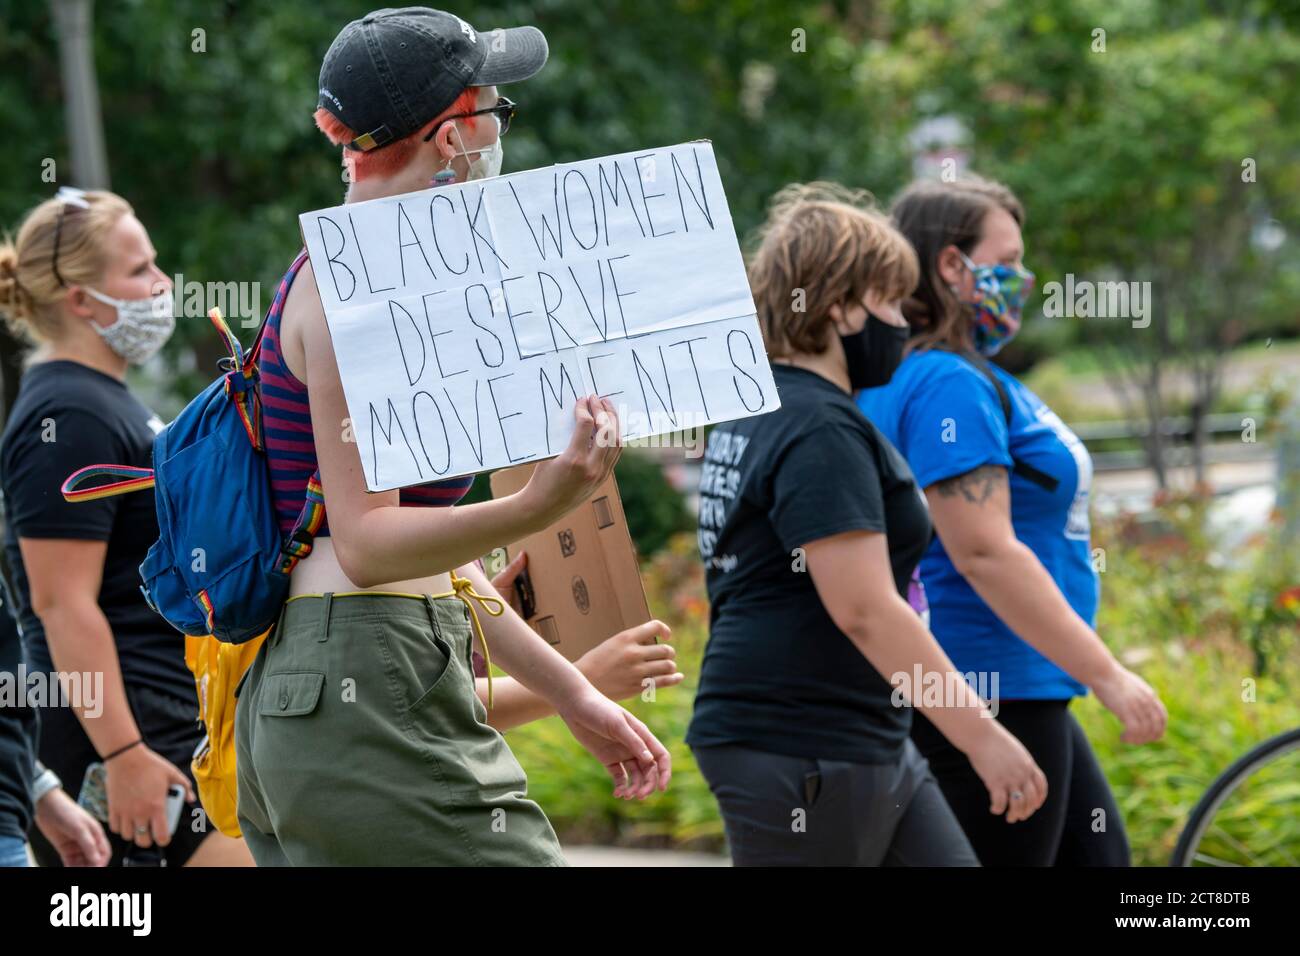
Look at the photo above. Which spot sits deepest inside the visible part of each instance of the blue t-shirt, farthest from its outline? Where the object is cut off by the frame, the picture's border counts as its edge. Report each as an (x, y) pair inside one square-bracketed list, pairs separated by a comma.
[(944, 415)]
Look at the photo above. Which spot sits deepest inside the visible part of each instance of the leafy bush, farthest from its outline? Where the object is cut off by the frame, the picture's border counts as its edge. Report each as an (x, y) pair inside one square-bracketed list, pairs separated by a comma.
[(655, 509), (1215, 633)]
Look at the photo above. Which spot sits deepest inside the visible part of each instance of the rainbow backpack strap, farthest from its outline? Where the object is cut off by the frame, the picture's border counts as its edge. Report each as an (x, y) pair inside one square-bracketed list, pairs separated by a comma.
[(241, 381), (133, 479), (299, 542), (240, 387)]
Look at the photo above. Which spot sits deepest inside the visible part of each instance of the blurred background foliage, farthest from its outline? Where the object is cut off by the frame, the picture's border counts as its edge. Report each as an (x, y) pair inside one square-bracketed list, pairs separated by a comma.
[(1129, 160)]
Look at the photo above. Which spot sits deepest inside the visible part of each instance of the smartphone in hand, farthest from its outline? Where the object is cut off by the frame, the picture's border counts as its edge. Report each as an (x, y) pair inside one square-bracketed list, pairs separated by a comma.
[(93, 797)]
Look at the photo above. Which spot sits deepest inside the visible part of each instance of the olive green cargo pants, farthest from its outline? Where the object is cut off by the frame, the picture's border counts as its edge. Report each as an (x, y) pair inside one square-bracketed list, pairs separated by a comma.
[(360, 741)]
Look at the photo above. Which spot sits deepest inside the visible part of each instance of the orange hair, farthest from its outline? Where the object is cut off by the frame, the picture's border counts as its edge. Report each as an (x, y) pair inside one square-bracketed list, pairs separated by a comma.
[(393, 157)]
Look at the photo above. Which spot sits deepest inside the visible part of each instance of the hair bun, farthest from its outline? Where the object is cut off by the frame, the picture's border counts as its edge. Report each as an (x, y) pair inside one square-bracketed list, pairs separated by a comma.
[(14, 301)]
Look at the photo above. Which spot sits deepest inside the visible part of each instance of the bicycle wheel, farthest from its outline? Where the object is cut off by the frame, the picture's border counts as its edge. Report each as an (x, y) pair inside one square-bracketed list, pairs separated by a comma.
[(1250, 816)]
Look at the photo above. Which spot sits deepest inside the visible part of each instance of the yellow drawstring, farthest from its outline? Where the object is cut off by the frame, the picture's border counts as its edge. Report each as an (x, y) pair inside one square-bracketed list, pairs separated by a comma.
[(463, 588)]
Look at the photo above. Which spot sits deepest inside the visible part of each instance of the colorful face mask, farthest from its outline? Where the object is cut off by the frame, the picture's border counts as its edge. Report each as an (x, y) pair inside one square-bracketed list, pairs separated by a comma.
[(1002, 291)]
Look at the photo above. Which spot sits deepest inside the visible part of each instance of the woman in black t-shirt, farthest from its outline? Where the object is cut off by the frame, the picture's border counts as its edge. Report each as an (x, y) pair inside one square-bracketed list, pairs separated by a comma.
[(81, 282), (811, 527)]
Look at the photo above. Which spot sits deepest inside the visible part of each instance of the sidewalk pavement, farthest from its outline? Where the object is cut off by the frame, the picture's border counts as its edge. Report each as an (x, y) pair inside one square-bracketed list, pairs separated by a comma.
[(623, 856)]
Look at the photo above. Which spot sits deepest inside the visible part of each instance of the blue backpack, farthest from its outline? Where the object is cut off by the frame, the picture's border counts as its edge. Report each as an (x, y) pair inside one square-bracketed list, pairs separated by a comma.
[(220, 565)]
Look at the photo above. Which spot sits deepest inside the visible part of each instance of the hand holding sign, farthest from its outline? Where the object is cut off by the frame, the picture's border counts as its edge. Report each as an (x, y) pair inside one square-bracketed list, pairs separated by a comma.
[(562, 483), (619, 666)]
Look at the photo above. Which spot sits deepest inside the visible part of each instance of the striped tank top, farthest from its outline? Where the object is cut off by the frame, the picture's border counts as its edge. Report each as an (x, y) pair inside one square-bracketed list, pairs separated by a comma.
[(286, 420)]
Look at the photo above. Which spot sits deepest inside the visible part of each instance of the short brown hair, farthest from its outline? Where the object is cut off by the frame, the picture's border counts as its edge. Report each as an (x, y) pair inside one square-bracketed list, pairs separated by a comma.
[(822, 245), (934, 215)]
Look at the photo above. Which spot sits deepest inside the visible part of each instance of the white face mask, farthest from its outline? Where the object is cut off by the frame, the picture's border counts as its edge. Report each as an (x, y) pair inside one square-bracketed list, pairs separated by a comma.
[(489, 159), (142, 325)]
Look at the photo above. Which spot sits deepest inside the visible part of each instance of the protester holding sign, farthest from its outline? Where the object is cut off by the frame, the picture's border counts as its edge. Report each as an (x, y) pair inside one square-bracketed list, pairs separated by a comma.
[(82, 282), (1010, 578), (797, 729), (360, 738)]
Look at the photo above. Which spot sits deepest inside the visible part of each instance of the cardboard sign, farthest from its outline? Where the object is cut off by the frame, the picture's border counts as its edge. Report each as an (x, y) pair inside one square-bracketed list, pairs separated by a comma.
[(582, 583), (468, 319)]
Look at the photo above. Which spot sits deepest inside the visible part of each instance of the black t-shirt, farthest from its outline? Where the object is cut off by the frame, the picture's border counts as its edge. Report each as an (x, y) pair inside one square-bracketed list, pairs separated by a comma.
[(68, 416), (778, 675)]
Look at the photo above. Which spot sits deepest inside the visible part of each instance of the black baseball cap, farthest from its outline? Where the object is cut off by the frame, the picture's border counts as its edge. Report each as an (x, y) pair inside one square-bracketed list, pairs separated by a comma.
[(390, 72)]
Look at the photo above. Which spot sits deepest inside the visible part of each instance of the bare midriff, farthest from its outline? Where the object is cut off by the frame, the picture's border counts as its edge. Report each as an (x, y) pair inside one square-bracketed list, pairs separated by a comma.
[(320, 572)]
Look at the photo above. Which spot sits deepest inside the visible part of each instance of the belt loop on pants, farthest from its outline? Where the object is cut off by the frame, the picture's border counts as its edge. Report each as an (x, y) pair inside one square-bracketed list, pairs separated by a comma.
[(433, 614), (274, 636), (328, 599)]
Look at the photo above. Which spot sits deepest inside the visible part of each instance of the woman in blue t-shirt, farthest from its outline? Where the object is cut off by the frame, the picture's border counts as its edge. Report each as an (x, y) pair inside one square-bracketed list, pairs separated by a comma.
[(1009, 577)]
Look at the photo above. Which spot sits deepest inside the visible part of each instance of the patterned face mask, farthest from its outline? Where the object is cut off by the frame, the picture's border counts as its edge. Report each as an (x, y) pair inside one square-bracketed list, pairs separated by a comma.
[(142, 325), (1002, 291)]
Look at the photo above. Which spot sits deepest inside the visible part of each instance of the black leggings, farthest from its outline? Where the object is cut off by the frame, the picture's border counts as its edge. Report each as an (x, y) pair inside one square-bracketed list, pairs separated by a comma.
[(1078, 825)]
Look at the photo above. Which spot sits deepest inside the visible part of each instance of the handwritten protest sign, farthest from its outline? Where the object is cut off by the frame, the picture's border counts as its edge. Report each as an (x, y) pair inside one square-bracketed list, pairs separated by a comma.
[(468, 319)]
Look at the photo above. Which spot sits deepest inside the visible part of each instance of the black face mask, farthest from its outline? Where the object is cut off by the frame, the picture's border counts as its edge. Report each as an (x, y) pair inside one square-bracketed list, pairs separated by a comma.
[(874, 353)]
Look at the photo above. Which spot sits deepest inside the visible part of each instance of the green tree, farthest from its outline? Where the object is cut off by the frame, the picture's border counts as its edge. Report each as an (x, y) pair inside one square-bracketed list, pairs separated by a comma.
[(207, 111), (1131, 131)]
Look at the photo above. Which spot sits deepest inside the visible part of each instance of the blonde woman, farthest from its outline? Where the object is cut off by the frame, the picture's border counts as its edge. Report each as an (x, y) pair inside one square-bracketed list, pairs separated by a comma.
[(81, 282)]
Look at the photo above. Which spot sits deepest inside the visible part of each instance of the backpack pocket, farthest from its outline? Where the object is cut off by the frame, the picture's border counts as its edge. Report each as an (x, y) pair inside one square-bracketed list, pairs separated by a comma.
[(165, 590), (195, 480)]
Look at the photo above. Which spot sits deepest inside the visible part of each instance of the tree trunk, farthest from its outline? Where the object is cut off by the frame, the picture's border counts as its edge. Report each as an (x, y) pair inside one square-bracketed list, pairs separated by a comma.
[(81, 93)]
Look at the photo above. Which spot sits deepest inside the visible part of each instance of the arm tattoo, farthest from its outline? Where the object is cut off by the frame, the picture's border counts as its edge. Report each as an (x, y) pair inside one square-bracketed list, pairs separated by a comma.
[(975, 486)]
